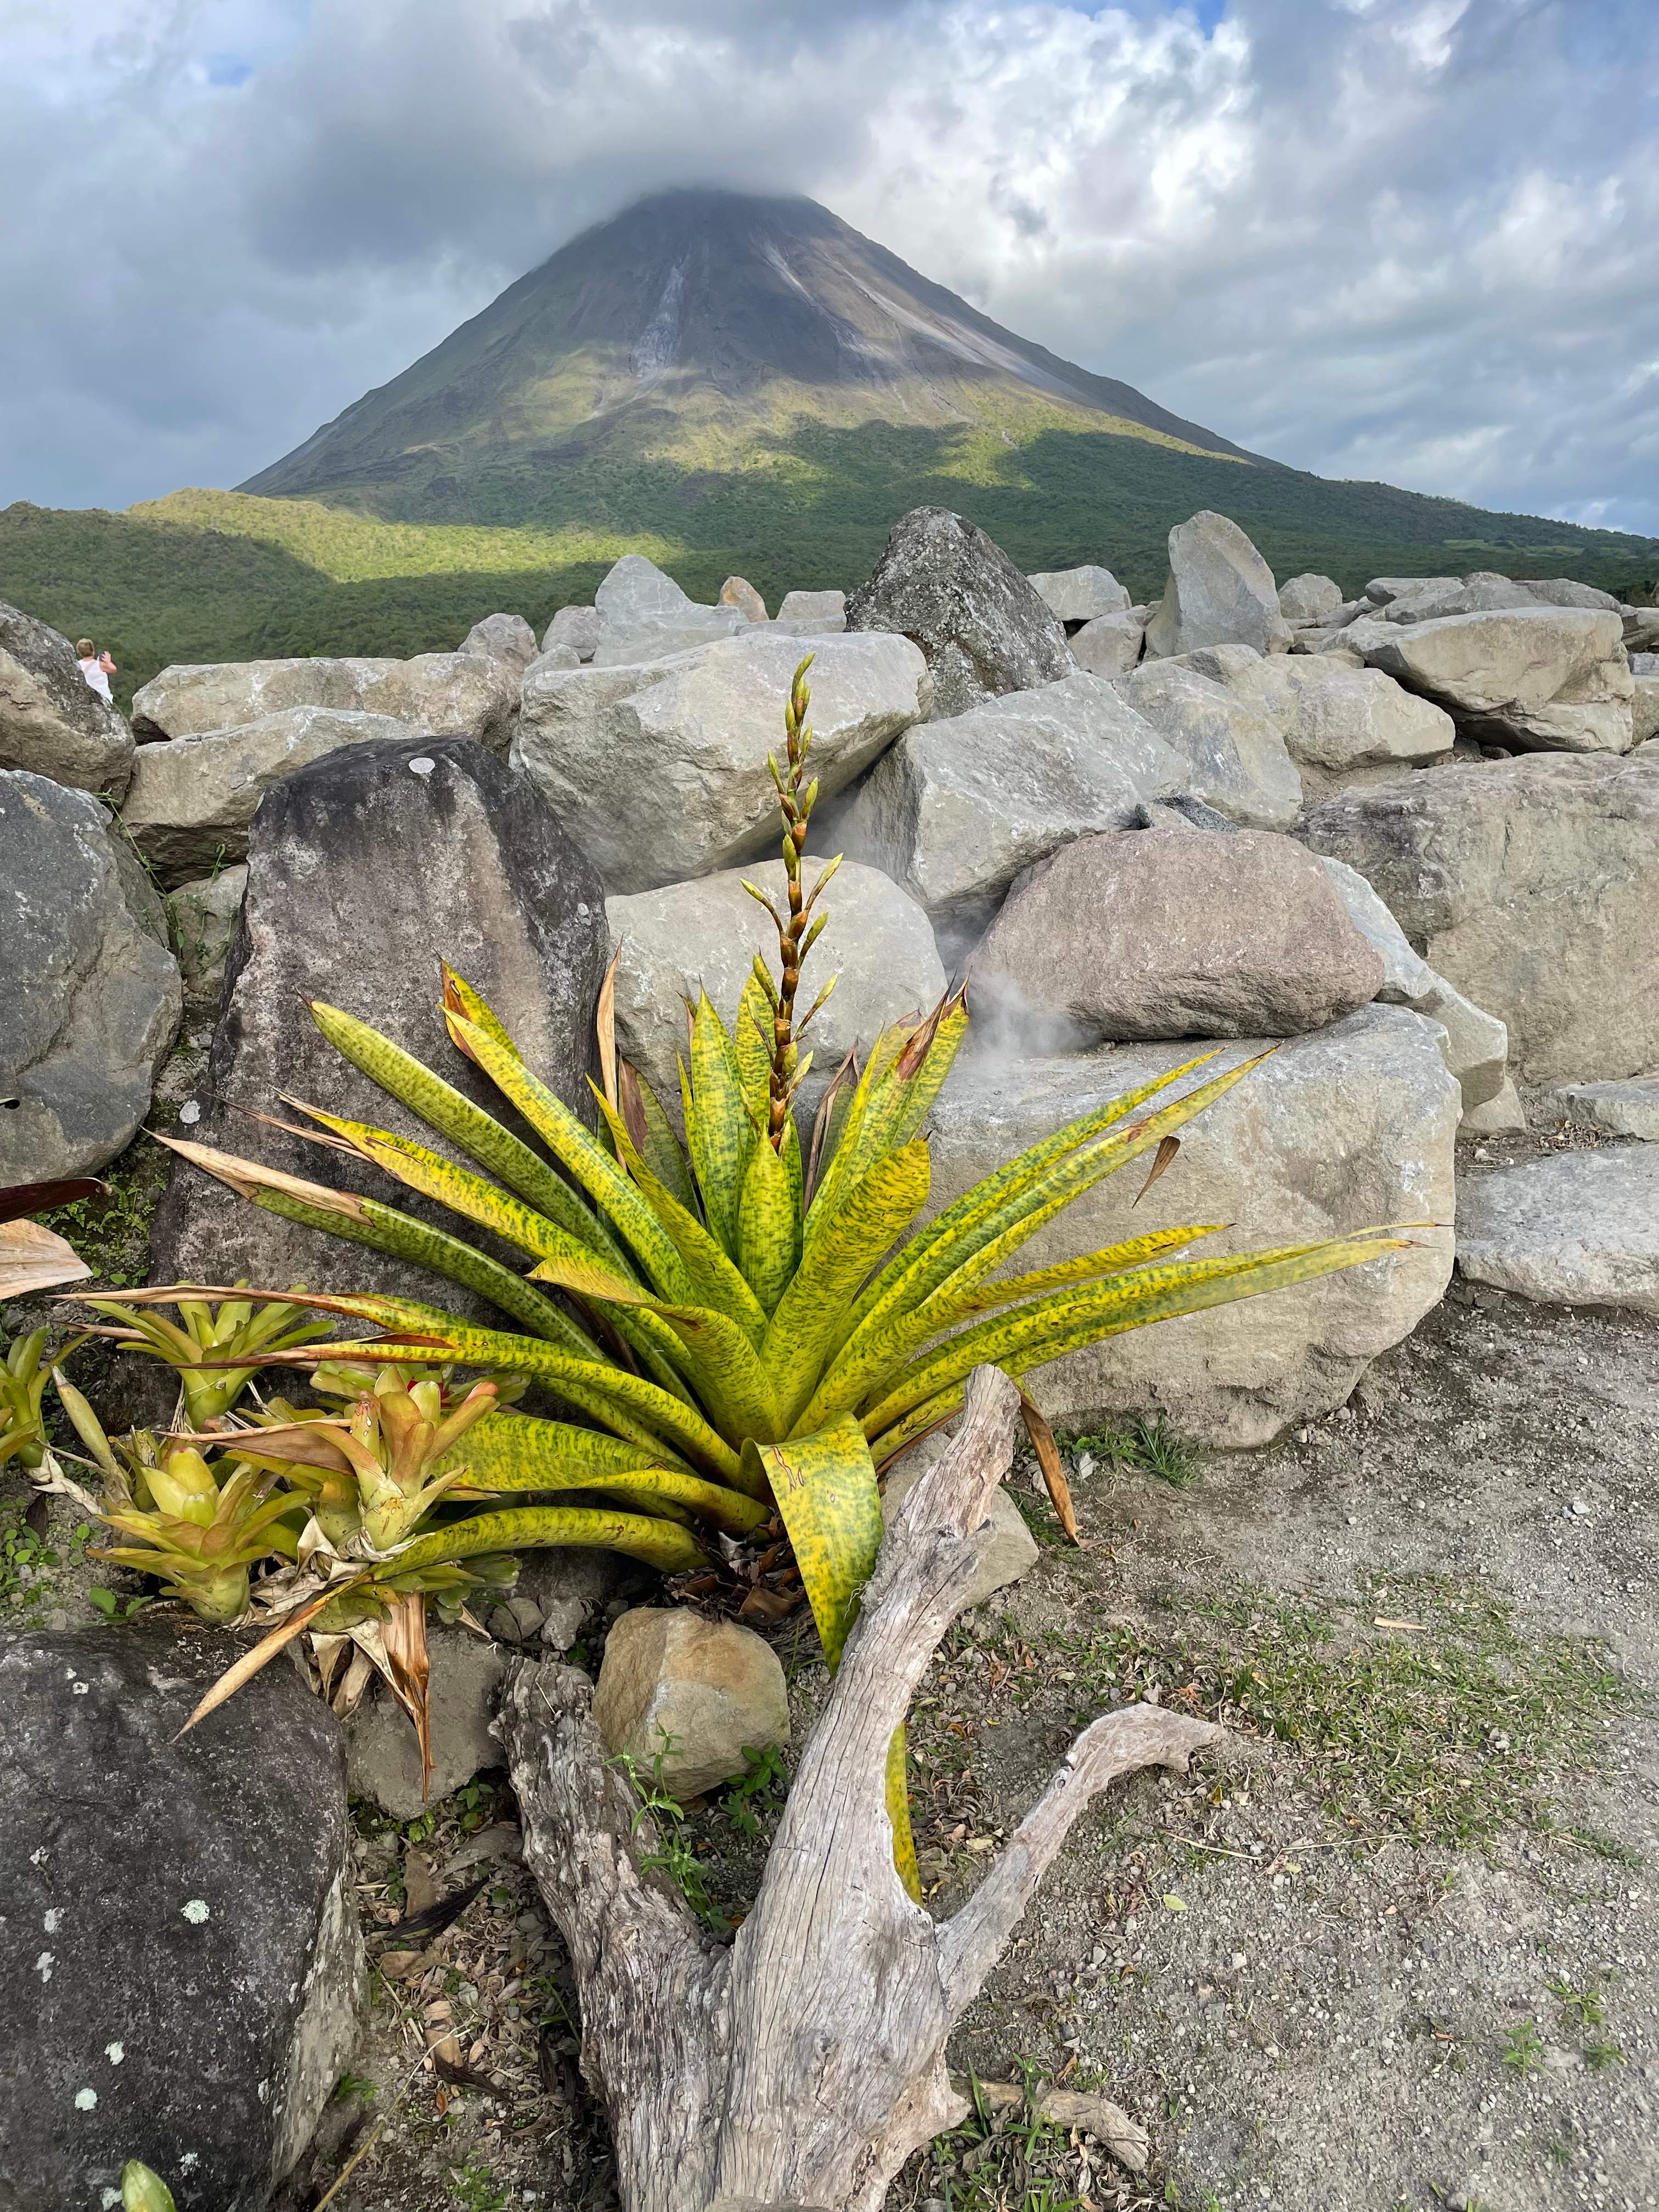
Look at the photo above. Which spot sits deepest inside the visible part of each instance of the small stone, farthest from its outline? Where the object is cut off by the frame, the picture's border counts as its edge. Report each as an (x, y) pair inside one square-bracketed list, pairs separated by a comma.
[(695, 1694), (1004, 1547), (738, 591)]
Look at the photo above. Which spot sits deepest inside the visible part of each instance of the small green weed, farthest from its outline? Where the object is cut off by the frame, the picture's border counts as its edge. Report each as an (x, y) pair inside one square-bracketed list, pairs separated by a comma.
[(752, 1802), (1149, 1446), (1523, 2047), (110, 1231), (1583, 2006), (115, 1608), (473, 2187), (23, 1555), (351, 2086), (1597, 2056), (676, 1858)]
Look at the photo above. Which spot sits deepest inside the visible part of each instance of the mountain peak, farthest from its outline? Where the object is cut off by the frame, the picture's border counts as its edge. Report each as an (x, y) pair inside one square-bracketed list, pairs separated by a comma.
[(690, 325)]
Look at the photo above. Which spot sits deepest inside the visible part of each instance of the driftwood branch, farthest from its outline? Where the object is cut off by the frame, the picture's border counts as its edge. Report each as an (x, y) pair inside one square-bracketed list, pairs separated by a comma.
[(805, 2064)]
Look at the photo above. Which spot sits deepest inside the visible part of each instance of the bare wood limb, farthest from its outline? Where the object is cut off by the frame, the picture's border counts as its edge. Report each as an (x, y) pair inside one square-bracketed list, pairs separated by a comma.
[(803, 2066), (652, 1989), (1118, 1744)]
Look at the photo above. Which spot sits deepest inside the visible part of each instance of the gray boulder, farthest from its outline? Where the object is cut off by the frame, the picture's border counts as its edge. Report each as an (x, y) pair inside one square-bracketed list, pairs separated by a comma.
[(1434, 597), (1110, 645), (1533, 886), (383, 1752), (1337, 719), (191, 799), (555, 656), (364, 871), (1220, 591), (1502, 1116), (704, 936), (1620, 1109), (1080, 595), (576, 627), (957, 809), (1383, 591), (1347, 1125), (204, 917), (809, 614), (505, 637), (205, 2034), (1542, 678), (645, 616), (1476, 1047), (1639, 627), (981, 626), (1235, 758), (659, 770), (438, 695), (1160, 933), (52, 723), (1581, 1229), (1644, 707), (1308, 598), (91, 996)]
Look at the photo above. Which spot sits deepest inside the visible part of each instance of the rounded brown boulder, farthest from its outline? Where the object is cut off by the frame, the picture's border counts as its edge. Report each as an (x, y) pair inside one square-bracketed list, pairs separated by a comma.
[(1172, 933)]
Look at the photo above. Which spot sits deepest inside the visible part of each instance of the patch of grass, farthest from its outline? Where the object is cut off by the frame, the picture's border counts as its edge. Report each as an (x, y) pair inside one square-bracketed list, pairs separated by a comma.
[(1444, 1735), (473, 2187), (1138, 1445)]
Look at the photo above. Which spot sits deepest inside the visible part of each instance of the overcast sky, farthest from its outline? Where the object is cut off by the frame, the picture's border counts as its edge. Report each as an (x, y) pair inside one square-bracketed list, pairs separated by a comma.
[(1416, 240)]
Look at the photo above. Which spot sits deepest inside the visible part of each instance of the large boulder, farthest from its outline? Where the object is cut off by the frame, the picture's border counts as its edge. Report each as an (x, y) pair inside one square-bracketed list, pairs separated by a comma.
[(1110, 645), (191, 799), (1640, 629), (683, 1698), (52, 723), (957, 809), (575, 626), (813, 614), (506, 637), (1346, 1127), (704, 935), (183, 1974), (1335, 719), (1079, 595), (645, 616), (1629, 1109), (205, 914), (1308, 598), (1531, 886), (364, 871), (91, 997), (1580, 1229), (1644, 707), (1169, 934), (738, 591), (660, 771), (1542, 679), (982, 629), (1475, 1045), (437, 695), (1236, 759), (1220, 591), (1433, 598)]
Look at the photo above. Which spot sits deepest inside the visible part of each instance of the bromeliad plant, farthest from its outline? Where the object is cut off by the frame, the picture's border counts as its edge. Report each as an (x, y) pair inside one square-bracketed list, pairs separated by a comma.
[(742, 1321)]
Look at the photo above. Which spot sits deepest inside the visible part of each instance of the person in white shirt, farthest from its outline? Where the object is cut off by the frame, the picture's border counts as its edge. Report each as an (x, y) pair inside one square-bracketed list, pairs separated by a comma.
[(97, 668)]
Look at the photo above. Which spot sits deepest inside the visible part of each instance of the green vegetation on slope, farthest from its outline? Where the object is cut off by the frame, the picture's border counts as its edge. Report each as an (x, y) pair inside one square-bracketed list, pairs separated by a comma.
[(208, 575)]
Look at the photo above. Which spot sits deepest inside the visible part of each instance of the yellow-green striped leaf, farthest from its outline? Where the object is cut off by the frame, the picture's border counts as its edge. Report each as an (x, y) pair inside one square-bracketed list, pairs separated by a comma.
[(657, 1145), (516, 1451), (1068, 1321), (751, 1042), (588, 1162), (664, 1545), (878, 1209), (826, 1489), (768, 1225), (898, 1811), (720, 1133), (453, 1115)]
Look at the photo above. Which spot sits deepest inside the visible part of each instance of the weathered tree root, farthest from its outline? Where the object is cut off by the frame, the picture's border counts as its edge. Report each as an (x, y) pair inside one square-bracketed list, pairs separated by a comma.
[(802, 2065)]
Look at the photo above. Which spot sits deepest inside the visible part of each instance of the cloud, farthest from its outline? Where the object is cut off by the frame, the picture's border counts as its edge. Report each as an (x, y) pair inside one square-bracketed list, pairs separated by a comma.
[(1406, 239)]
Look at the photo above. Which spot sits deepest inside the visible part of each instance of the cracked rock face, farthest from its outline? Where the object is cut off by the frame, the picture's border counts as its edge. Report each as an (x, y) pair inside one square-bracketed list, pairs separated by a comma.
[(1533, 886), (183, 1968), (52, 723), (91, 996), (983, 628)]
